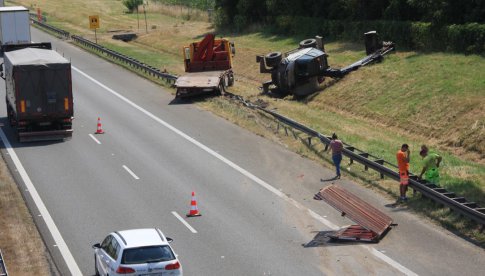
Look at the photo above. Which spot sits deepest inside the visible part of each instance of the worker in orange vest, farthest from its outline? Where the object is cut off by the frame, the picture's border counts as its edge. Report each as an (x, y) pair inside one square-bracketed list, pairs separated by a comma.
[(403, 157)]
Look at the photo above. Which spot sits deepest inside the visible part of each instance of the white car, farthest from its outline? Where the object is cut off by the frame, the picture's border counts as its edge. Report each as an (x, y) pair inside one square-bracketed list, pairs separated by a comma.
[(136, 252)]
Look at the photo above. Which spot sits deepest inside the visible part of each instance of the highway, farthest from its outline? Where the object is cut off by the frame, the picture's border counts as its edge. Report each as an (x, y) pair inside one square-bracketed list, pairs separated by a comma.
[(258, 215)]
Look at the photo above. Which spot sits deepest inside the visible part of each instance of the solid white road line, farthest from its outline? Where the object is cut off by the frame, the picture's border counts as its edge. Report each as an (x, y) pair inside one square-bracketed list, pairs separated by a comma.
[(184, 222), (95, 140), (259, 181), (130, 172), (61, 244), (390, 261)]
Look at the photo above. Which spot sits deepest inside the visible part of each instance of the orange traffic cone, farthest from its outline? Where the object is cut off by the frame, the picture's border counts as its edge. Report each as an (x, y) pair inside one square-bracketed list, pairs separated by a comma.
[(194, 211), (99, 130)]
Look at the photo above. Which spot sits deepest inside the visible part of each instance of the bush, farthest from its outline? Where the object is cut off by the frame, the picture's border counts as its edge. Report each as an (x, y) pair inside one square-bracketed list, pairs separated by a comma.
[(131, 5), (467, 38)]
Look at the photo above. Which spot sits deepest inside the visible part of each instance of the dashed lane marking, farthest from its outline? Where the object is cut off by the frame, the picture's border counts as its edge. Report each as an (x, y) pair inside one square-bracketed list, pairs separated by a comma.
[(184, 222), (130, 172), (94, 138)]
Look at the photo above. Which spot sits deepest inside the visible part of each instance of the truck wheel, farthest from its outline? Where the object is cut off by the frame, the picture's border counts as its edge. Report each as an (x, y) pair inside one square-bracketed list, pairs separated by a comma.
[(231, 80), (308, 43), (221, 88), (273, 59)]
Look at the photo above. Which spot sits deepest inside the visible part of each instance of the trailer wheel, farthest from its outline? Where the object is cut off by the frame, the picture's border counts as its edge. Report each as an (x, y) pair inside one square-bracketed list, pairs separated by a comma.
[(308, 43), (273, 59)]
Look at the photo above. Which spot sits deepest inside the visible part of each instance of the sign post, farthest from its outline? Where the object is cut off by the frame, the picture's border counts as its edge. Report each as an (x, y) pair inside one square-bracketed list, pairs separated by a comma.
[(94, 24)]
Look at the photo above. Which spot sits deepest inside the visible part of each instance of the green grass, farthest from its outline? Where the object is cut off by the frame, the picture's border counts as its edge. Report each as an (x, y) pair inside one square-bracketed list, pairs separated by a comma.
[(158, 60), (435, 99)]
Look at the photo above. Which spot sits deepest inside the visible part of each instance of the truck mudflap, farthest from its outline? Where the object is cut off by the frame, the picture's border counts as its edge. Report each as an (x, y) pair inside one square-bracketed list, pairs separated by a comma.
[(49, 135)]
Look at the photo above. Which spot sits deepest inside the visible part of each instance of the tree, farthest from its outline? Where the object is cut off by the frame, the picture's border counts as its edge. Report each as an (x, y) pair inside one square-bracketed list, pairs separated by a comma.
[(132, 5)]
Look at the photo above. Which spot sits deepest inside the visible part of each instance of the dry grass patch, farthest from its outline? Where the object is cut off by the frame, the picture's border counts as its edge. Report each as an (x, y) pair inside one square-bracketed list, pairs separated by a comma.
[(20, 242)]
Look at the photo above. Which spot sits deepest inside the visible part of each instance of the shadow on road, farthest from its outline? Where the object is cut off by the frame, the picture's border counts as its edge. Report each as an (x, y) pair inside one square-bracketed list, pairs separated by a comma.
[(322, 239), (11, 135)]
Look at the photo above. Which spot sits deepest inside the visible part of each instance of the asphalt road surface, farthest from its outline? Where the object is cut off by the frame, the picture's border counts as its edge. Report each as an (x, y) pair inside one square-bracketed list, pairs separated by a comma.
[(258, 215)]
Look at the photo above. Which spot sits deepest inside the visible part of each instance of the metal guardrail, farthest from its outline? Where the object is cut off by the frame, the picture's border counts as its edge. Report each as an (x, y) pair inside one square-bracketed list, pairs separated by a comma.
[(60, 32), (152, 71), (430, 190), (440, 195), (3, 268)]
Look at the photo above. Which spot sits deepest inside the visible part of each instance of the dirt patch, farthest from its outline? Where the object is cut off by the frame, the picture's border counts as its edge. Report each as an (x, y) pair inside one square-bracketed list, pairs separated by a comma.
[(22, 248)]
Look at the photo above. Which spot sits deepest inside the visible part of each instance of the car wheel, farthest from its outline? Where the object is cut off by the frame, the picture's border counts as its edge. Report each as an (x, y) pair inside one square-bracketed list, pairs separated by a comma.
[(96, 271), (273, 59), (308, 43)]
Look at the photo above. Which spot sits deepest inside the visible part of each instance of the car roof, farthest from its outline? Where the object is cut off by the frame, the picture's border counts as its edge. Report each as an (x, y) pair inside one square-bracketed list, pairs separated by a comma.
[(141, 237)]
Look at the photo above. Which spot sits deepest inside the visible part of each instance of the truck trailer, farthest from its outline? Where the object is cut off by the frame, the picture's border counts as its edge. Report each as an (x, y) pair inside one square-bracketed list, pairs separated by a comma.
[(14, 26), (38, 92)]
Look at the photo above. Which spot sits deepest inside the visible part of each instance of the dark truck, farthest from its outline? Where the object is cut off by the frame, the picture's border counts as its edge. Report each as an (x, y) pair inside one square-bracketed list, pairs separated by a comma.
[(38, 92)]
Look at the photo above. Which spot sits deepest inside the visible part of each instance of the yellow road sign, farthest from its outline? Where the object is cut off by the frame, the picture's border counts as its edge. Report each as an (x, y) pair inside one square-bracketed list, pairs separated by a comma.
[(93, 21)]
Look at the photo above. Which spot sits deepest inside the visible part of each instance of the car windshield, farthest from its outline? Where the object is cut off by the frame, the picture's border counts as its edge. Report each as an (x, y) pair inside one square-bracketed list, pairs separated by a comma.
[(148, 254)]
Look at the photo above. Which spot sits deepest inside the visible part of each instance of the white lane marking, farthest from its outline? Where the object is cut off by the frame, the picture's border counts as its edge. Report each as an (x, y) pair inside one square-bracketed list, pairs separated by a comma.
[(184, 222), (56, 235), (130, 172), (229, 163), (390, 261), (95, 140)]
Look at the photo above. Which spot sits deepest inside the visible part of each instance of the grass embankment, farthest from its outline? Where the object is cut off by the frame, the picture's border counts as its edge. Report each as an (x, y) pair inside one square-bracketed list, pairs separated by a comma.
[(22, 249), (435, 99)]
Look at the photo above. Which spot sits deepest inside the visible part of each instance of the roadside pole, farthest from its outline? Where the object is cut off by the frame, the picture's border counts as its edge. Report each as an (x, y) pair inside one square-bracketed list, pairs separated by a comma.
[(94, 24)]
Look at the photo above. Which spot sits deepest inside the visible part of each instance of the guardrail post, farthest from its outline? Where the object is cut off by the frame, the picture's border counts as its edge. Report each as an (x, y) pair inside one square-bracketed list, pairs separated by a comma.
[(365, 155), (351, 160), (380, 162), (309, 141)]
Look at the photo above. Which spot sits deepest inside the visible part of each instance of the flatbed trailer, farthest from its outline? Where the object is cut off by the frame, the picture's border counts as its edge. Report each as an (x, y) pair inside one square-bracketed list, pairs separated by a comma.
[(198, 83), (208, 67)]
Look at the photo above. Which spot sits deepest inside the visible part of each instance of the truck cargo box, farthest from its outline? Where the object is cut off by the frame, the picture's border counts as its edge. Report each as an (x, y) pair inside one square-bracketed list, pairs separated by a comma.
[(14, 25), (39, 92)]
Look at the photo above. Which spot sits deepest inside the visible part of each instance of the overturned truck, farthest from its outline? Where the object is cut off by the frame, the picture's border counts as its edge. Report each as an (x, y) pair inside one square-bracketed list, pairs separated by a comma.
[(300, 71), (38, 92)]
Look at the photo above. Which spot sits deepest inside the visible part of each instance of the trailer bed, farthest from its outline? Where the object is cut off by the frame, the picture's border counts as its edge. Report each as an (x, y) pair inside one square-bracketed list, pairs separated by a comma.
[(196, 83)]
